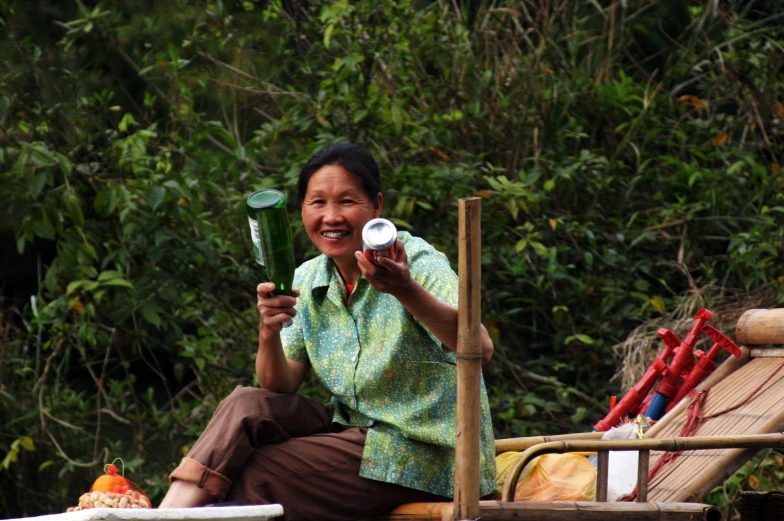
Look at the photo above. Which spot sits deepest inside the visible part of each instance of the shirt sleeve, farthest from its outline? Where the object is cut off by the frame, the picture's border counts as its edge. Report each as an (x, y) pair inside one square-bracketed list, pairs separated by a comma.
[(431, 269), (293, 337)]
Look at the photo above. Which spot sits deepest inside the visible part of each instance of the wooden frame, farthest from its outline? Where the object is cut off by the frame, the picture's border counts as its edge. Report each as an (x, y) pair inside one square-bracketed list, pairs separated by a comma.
[(644, 446), (755, 327)]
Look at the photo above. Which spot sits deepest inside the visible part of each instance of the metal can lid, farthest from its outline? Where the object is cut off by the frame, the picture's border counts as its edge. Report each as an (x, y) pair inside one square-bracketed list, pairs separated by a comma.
[(379, 234), (266, 198)]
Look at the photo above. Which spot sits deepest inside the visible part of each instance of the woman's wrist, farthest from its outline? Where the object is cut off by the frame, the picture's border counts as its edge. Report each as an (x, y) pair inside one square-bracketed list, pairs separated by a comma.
[(267, 334), (405, 290)]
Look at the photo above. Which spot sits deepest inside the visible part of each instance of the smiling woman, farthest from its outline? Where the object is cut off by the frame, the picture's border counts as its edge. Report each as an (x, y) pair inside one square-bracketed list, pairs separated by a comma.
[(335, 209), (380, 338)]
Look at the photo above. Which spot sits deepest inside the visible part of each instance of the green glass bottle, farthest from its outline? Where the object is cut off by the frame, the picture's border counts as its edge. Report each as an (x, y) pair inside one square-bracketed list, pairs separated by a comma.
[(269, 229)]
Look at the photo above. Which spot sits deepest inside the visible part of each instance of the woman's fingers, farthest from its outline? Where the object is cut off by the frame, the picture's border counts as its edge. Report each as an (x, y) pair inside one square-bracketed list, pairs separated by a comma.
[(387, 275), (267, 288), (275, 311), (265, 293), (400, 253)]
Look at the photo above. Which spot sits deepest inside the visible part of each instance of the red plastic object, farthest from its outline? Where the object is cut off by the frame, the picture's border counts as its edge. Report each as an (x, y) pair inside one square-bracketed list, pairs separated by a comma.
[(682, 360), (630, 404), (705, 362)]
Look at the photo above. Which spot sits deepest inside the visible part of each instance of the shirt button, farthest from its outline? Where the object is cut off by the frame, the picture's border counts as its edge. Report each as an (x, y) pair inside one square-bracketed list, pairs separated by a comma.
[(354, 358), (371, 423)]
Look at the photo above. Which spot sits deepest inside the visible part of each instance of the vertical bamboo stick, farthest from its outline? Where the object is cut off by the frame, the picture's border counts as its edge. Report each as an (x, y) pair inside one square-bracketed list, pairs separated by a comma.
[(643, 464), (602, 474), (469, 361)]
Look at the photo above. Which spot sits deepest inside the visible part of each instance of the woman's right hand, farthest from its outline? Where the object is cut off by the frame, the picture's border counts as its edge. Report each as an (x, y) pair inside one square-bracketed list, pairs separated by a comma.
[(274, 310)]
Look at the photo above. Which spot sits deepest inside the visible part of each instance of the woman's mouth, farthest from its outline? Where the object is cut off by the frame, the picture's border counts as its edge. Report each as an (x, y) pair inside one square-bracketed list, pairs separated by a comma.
[(334, 235)]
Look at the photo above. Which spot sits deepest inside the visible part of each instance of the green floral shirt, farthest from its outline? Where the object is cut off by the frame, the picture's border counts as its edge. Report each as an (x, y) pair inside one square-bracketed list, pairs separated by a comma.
[(386, 371)]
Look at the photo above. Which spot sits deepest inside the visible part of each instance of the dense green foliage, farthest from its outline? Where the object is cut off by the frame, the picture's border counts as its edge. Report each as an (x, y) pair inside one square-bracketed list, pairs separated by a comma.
[(627, 153)]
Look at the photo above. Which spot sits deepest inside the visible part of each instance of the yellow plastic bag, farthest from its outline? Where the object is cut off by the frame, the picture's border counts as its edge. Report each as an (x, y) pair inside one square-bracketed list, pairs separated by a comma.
[(551, 477)]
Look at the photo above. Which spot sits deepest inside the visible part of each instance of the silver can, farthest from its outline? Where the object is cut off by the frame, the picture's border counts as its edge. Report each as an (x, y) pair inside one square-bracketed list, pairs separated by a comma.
[(378, 238)]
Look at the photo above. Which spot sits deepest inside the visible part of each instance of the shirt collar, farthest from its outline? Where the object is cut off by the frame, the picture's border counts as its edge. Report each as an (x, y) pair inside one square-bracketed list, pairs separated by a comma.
[(322, 275), (327, 281)]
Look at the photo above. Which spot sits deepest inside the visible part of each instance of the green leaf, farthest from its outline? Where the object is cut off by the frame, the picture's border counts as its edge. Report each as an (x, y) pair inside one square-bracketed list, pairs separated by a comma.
[(109, 274), (540, 248), (119, 283), (10, 457), (157, 195), (65, 163), (150, 314), (74, 211), (578, 415), (37, 183), (397, 118), (89, 285), (174, 185), (27, 443), (144, 71), (127, 121), (23, 442), (359, 115), (328, 35), (585, 339), (735, 167)]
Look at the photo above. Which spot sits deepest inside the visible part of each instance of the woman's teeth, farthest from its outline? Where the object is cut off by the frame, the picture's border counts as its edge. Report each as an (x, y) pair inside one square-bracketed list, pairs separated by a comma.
[(334, 235)]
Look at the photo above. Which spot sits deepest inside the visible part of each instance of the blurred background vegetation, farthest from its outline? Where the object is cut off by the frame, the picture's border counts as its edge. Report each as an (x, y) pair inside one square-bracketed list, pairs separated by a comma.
[(628, 154)]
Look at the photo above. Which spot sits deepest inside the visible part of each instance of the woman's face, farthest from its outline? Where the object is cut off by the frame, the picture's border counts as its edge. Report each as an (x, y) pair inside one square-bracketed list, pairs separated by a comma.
[(334, 211)]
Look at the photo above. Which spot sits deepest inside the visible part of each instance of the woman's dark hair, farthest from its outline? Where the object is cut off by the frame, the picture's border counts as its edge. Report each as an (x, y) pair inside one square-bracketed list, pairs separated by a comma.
[(354, 158)]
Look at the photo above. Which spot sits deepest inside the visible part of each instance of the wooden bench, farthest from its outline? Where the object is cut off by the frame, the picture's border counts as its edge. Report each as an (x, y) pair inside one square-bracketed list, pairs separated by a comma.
[(237, 513)]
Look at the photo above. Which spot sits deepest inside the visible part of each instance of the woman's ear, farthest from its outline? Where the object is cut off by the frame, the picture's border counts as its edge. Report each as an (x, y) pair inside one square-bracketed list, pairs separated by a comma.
[(379, 205)]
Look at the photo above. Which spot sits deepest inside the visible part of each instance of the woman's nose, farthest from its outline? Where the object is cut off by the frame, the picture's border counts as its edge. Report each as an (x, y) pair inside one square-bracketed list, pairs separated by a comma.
[(333, 213)]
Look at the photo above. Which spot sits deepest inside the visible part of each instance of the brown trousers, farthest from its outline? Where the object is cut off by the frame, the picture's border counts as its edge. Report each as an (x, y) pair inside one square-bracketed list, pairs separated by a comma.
[(261, 447)]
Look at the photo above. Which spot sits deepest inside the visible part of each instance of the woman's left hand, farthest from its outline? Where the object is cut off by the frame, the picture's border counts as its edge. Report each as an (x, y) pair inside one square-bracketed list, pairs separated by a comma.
[(387, 274)]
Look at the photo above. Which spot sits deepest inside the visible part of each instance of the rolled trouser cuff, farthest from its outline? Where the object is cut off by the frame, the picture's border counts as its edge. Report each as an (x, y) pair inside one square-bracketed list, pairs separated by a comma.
[(206, 479)]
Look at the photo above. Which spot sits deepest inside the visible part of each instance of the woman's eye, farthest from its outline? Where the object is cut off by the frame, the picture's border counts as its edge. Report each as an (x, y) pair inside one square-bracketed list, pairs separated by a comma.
[(347, 201)]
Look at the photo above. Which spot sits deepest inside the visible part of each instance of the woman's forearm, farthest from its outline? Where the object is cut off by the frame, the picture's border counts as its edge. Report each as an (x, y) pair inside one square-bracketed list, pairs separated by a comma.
[(272, 367), (439, 317)]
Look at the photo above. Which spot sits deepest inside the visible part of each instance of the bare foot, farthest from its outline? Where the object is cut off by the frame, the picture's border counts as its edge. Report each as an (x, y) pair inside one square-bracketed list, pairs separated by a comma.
[(184, 494)]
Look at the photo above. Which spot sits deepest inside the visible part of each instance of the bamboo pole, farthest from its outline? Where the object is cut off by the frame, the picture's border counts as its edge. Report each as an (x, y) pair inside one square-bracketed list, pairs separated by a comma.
[(509, 444), (469, 360), (767, 352), (643, 464), (592, 511), (761, 326), (752, 441), (602, 473), (558, 511)]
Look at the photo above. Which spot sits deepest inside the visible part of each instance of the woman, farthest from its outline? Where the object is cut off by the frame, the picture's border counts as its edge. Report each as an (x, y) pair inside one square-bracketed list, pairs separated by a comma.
[(380, 337)]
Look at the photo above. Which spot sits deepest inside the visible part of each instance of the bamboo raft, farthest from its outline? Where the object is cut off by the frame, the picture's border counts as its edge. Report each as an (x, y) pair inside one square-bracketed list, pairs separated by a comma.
[(741, 411)]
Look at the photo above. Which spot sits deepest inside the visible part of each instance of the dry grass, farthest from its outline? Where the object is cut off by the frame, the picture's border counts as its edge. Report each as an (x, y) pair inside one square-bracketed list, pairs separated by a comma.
[(643, 344)]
